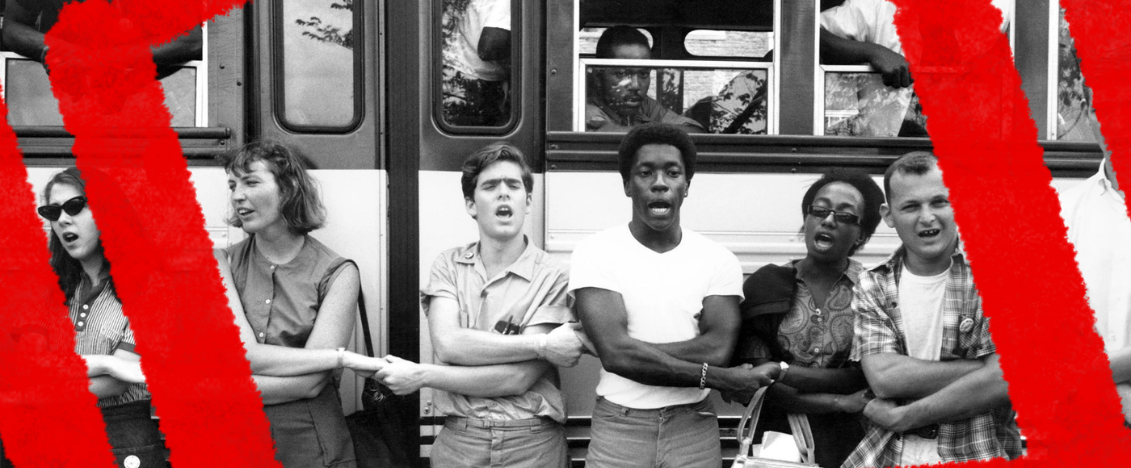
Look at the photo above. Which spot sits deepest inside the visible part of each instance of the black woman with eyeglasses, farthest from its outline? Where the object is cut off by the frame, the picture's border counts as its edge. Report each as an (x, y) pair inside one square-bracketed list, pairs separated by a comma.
[(800, 315), (102, 333)]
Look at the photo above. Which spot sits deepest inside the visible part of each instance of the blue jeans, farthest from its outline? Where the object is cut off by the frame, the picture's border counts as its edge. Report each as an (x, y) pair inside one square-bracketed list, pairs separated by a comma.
[(527, 443), (683, 436), (133, 434)]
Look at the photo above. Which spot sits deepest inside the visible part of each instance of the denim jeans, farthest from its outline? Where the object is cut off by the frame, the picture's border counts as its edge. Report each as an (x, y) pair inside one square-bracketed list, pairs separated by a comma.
[(467, 443), (134, 438), (683, 436)]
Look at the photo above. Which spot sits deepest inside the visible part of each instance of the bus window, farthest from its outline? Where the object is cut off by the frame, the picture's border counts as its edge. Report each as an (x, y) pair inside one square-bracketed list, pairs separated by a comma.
[(475, 66), (705, 66), (320, 65), (874, 98), (699, 96), (1073, 122), (714, 43)]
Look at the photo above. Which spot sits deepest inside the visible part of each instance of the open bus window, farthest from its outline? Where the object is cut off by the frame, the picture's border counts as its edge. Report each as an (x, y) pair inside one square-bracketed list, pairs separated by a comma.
[(1073, 121), (866, 82), (320, 65), (719, 43), (699, 96), (476, 69)]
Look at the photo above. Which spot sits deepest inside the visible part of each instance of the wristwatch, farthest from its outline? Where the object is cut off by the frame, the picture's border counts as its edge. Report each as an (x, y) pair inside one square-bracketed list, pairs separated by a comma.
[(784, 367)]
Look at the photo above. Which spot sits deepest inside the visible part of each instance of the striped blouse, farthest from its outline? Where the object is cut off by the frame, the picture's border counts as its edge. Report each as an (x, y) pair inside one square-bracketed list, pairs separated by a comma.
[(101, 328)]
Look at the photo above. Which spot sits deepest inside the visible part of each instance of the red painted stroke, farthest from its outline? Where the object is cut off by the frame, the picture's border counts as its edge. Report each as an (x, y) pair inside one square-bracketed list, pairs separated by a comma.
[(1009, 217), (152, 228)]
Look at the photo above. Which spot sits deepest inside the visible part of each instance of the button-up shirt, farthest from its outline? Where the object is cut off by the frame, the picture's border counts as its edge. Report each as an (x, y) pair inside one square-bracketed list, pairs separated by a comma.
[(966, 335), (102, 328), (1098, 227), (531, 291)]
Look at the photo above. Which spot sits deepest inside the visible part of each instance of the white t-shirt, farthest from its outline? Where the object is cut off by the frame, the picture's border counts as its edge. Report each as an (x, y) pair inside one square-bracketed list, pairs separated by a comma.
[(461, 52), (1101, 232), (921, 306), (874, 21), (663, 297)]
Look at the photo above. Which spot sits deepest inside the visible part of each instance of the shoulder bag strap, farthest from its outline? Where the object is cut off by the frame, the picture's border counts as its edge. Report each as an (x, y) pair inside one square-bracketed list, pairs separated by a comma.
[(803, 435)]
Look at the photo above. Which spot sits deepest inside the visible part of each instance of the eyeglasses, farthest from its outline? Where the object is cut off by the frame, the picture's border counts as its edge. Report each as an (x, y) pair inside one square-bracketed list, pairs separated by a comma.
[(73, 207), (839, 216)]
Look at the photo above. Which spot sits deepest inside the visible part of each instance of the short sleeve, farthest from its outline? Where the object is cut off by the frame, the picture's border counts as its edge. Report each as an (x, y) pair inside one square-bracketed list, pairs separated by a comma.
[(727, 277), (127, 343), (590, 267), (497, 14), (874, 330), (441, 281), (850, 20)]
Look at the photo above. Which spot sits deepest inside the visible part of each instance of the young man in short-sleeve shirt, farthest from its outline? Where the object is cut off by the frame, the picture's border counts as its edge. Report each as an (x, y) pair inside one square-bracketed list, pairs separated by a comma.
[(923, 341), (660, 303), (496, 310)]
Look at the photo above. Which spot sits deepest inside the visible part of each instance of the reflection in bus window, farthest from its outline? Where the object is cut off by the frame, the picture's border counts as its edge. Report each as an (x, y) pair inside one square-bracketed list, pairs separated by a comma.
[(476, 41), (1073, 122), (318, 63), (880, 103), (711, 43)]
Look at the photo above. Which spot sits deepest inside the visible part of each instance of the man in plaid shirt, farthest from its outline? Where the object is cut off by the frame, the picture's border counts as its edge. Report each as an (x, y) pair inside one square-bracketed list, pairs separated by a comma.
[(923, 341)]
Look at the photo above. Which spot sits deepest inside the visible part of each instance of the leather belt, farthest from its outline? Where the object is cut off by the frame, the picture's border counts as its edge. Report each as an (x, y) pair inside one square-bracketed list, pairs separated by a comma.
[(926, 432)]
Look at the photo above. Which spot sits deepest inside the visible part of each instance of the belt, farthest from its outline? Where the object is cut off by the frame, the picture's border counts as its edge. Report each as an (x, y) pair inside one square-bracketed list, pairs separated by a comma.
[(926, 432), (489, 423)]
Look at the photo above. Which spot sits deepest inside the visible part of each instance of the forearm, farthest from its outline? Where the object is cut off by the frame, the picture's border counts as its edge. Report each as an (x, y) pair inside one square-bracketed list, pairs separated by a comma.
[(810, 380), (274, 390), (892, 375), (104, 386), (23, 39), (975, 393), (484, 381), (282, 361), (790, 400), (701, 349), (647, 364), (468, 347), (836, 50)]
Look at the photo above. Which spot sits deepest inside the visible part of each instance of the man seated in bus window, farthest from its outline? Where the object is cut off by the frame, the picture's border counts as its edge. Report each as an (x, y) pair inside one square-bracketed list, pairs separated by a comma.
[(1098, 227), (498, 314), (863, 31), (475, 70), (923, 341), (26, 22), (617, 98), (660, 304)]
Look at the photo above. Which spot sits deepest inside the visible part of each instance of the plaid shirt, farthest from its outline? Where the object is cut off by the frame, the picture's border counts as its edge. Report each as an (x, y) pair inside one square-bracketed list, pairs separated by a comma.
[(966, 335)]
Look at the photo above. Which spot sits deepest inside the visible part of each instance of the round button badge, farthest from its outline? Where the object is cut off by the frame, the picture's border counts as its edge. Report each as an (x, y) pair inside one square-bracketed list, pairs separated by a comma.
[(131, 461)]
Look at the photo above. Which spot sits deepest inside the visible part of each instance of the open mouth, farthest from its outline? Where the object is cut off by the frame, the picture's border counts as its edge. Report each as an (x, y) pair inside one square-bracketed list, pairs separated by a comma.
[(929, 233), (69, 237), (243, 211), (504, 212), (823, 240), (659, 208)]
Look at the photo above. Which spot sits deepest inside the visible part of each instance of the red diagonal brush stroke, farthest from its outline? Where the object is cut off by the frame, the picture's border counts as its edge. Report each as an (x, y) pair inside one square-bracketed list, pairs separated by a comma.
[(981, 128), (1102, 43), (102, 72), (43, 387)]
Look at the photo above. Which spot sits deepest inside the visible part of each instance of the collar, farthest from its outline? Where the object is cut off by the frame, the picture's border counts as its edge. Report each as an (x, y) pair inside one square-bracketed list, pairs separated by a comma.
[(852, 271), (1104, 183), (640, 116), (523, 266)]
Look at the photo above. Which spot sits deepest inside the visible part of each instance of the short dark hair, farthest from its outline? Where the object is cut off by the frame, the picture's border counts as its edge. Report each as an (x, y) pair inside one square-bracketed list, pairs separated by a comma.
[(873, 198), (618, 36), (656, 134), (301, 206), (486, 156), (913, 163)]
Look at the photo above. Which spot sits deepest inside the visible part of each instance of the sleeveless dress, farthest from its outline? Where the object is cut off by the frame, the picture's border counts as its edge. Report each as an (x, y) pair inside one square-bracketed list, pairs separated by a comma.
[(281, 302)]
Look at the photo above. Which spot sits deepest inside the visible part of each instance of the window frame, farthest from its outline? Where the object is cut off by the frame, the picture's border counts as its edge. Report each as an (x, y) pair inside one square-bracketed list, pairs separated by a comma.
[(579, 85), (278, 58), (436, 75)]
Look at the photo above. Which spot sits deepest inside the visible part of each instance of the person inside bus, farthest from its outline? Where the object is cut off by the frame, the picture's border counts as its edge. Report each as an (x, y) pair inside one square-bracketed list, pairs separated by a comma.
[(476, 62), (660, 304), (922, 339), (102, 332), (800, 314), (617, 97), (296, 304), (1098, 227), (26, 22), (498, 315)]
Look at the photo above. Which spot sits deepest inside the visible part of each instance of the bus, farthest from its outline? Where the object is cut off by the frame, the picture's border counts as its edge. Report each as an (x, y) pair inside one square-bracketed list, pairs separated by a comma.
[(358, 88)]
